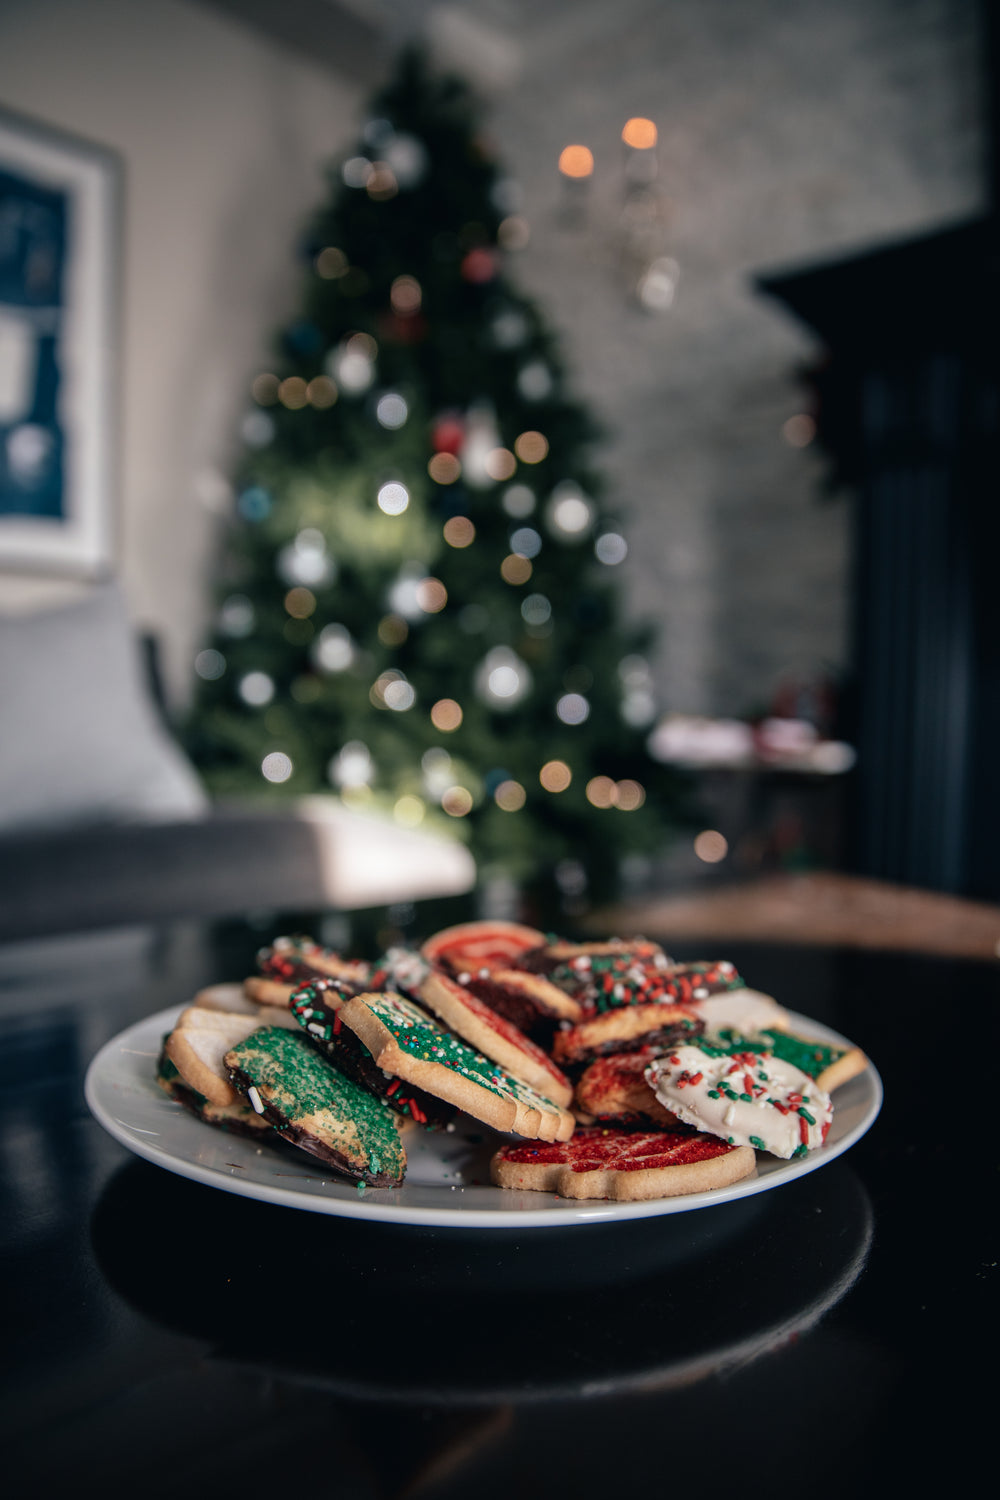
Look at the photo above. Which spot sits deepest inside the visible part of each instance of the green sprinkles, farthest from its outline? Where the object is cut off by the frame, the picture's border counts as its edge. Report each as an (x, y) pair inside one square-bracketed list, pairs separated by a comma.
[(755, 1140)]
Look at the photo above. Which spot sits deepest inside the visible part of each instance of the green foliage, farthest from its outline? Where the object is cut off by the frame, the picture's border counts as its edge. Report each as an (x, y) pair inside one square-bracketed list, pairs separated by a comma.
[(454, 342)]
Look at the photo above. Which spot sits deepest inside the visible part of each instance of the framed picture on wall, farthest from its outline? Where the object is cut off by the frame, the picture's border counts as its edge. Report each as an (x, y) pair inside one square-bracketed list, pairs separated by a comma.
[(59, 255)]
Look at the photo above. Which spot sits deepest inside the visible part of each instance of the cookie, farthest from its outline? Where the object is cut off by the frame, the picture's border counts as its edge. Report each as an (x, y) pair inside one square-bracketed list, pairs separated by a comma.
[(313, 1106), (200, 1040), (408, 1043), (614, 1090), (626, 1165), (493, 1036), (827, 1065), (746, 1010), (315, 1006), (480, 945), (291, 961), (530, 1002), (748, 1098), (237, 1119), (568, 964), (624, 1030)]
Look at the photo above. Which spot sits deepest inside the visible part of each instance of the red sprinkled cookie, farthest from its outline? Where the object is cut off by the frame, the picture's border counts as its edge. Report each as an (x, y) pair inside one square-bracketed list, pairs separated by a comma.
[(623, 1164), (624, 1030), (614, 1090), (291, 961)]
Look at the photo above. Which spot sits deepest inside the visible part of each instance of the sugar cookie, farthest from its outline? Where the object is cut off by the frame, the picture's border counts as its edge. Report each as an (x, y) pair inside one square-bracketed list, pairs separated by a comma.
[(627, 1165)]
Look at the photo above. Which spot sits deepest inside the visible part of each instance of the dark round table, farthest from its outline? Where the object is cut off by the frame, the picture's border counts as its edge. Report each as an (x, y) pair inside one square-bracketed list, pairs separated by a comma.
[(166, 1338)]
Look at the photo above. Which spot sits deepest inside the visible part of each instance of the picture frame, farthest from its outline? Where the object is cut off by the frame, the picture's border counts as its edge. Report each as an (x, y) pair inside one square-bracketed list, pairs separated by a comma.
[(60, 230)]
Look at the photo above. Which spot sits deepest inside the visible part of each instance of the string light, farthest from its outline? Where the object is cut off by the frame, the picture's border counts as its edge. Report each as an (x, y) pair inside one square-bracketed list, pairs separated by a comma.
[(444, 468), (500, 463), (457, 801), (334, 649), (502, 678), (629, 796), (611, 549), (531, 447), (265, 389), (555, 776), (331, 263), (409, 811), (391, 411), (711, 846), (601, 791), (405, 296), (510, 796), (393, 498), (256, 689), (237, 616), (292, 393), (352, 766), (300, 603), (526, 541), (534, 381), (518, 501), (432, 596), (536, 609), (459, 532), (381, 184), (276, 767), (513, 233), (576, 161), (210, 665), (322, 393), (515, 569), (640, 134), (446, 715), (573, 708)]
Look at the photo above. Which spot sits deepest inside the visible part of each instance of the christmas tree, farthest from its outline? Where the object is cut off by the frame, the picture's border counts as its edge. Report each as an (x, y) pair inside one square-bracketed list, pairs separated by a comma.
[(418, 596)]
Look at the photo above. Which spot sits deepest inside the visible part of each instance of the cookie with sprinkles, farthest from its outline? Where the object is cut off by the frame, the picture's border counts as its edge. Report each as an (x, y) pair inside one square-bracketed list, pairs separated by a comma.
[(745, 1009), (625, 1165), (529, 1001), (291, 961), (614, 1090), (470, 946), (748, 1098), (237, 1119), (313, 1106), (624, 1030), (494, 1036), (568, 964), (828, 1065), (410, 1045), (316, 1006)]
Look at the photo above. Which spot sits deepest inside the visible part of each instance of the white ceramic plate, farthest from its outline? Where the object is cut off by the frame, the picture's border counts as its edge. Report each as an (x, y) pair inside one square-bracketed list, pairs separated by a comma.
[(447, 1179)]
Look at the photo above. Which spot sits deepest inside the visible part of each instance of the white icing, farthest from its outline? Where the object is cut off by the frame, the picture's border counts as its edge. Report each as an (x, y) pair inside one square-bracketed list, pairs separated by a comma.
[(745, 1010), (779, 1127)]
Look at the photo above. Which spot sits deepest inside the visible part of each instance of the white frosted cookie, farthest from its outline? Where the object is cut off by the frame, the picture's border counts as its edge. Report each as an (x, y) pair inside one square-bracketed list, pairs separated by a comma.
[(406, 1042), (747, 1098), (744, 1010)]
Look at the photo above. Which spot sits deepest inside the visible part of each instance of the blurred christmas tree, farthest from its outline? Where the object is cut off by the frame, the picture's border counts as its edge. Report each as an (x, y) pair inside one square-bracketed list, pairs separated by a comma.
[(418, 601)]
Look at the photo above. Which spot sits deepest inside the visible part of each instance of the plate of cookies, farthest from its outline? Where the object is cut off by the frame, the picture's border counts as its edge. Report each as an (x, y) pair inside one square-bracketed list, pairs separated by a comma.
[(493, 1076)]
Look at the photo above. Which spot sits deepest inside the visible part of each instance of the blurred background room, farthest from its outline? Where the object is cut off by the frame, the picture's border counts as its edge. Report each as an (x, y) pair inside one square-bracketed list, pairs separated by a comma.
[(539, 460)]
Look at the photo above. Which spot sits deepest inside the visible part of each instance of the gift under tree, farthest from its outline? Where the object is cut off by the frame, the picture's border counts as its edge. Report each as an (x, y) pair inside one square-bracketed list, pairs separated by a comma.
[(419, 593)]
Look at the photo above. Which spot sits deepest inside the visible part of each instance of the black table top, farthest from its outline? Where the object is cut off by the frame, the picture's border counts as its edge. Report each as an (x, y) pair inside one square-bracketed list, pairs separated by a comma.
[(163, 1337)]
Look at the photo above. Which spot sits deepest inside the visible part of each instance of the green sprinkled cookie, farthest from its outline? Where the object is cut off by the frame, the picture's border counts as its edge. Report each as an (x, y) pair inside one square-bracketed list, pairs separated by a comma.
[(406, 1042), (313, 1106)]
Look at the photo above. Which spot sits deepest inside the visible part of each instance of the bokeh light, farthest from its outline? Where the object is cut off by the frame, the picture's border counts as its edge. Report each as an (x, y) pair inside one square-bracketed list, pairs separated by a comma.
[(536, 609), (531, 447), (576, 161), (601, 791), (256, 689), (352, 766), (405, 295), (333, 650), (500, 463), (711, 846), (276, 767), (515, 569), (526, 541), (393, 498), (331, 263), (392, 630), (639, 133), (459, 532), (573, 708), (518, 501), (300, 603), (513, 233), (630, 796), (321, 392), (210, 665), (292, 393), (457, 801), (510, 796), (799, 431), (444, 468), (265, 389), (409, 811), (555, 776), (432, 596), (611, 548), (446, 715), (391, 411)]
